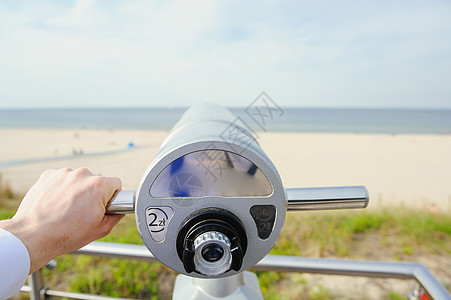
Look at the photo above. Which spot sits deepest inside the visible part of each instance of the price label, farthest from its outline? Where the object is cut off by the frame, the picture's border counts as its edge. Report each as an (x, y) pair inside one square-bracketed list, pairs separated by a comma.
[(157, 219)]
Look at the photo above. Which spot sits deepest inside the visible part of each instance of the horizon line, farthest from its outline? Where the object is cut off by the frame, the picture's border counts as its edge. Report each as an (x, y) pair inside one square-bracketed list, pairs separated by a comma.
[(227, 106)]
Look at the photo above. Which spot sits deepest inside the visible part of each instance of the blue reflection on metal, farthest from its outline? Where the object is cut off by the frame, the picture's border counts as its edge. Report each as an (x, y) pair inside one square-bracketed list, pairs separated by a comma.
[(176, 165)]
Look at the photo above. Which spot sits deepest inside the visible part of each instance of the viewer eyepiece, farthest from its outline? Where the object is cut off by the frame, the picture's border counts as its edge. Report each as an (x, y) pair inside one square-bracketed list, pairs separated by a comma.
[(211, 242), (212, 252)]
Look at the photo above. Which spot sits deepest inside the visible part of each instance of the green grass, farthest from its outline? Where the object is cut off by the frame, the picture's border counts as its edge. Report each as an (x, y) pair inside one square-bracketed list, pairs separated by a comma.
[(395, 296), (6, 214), (383, 235), (113, 277), (320, 293), (341, 233)]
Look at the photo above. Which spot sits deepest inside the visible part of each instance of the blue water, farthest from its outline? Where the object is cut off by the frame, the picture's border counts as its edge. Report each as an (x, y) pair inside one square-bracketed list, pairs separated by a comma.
[(292, 119)]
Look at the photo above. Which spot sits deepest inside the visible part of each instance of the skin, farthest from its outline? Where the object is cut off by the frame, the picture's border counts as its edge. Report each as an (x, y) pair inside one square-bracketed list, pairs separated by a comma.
[(62, 212)]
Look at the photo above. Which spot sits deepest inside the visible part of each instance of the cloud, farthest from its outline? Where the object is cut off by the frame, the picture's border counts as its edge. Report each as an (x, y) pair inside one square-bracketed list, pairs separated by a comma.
[(138, 53)]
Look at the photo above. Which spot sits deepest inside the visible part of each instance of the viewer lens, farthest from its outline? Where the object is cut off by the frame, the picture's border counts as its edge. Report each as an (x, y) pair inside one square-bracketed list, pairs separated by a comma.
[(212, 252)]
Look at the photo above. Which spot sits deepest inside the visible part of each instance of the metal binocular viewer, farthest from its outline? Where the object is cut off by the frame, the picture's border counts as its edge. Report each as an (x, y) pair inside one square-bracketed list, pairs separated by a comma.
[(212, 204)]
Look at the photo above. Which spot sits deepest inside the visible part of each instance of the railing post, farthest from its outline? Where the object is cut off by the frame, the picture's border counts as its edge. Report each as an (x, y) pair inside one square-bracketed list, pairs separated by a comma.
[(35, 283)]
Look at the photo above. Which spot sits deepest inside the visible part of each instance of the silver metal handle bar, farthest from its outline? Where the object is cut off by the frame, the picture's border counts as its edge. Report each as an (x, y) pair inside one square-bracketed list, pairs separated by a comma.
[(123, 202), (340, 197)]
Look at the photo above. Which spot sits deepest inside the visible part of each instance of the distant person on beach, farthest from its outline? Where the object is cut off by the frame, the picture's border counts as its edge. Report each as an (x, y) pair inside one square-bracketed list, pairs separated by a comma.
[(62, 212)]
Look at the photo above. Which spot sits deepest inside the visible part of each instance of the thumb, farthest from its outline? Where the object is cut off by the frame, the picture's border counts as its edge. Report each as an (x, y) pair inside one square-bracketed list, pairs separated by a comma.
[(108, 222)]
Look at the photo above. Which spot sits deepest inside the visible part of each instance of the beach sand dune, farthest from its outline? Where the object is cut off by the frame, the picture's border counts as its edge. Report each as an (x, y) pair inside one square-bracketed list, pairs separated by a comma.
[(398, 170)]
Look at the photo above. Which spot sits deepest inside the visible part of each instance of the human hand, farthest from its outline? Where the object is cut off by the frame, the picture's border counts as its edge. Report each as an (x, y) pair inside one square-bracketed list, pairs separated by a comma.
[(62, 212)]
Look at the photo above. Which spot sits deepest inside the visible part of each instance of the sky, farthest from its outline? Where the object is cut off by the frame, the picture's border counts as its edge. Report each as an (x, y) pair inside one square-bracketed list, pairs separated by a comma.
[(86, 53)]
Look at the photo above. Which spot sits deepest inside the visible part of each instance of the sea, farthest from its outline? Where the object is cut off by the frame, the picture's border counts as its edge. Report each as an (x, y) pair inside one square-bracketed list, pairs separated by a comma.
[(291, 119)]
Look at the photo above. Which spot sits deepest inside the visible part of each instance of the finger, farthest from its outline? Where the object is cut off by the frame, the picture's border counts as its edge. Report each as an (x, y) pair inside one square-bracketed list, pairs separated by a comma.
[(47, 173), (83, 171), (64, 170), (108, 222), (50, 174), (112, 184)]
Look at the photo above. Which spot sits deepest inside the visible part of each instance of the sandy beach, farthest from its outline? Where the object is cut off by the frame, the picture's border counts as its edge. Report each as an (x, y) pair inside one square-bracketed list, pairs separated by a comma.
[(398, 170)]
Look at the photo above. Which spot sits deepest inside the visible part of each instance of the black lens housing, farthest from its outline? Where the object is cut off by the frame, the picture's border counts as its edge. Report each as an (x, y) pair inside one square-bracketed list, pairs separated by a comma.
[(211, 219)]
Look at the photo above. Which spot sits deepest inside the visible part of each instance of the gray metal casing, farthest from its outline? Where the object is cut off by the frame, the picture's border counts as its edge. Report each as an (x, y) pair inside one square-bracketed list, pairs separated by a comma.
[(209, 127)]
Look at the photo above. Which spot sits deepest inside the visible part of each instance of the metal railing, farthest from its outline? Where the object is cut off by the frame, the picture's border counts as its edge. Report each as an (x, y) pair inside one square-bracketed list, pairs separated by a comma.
[(276, 263)]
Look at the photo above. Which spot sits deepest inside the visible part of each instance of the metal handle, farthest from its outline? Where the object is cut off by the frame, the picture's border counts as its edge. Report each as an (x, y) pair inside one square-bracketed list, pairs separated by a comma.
[(122, 203), (339, 197)]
